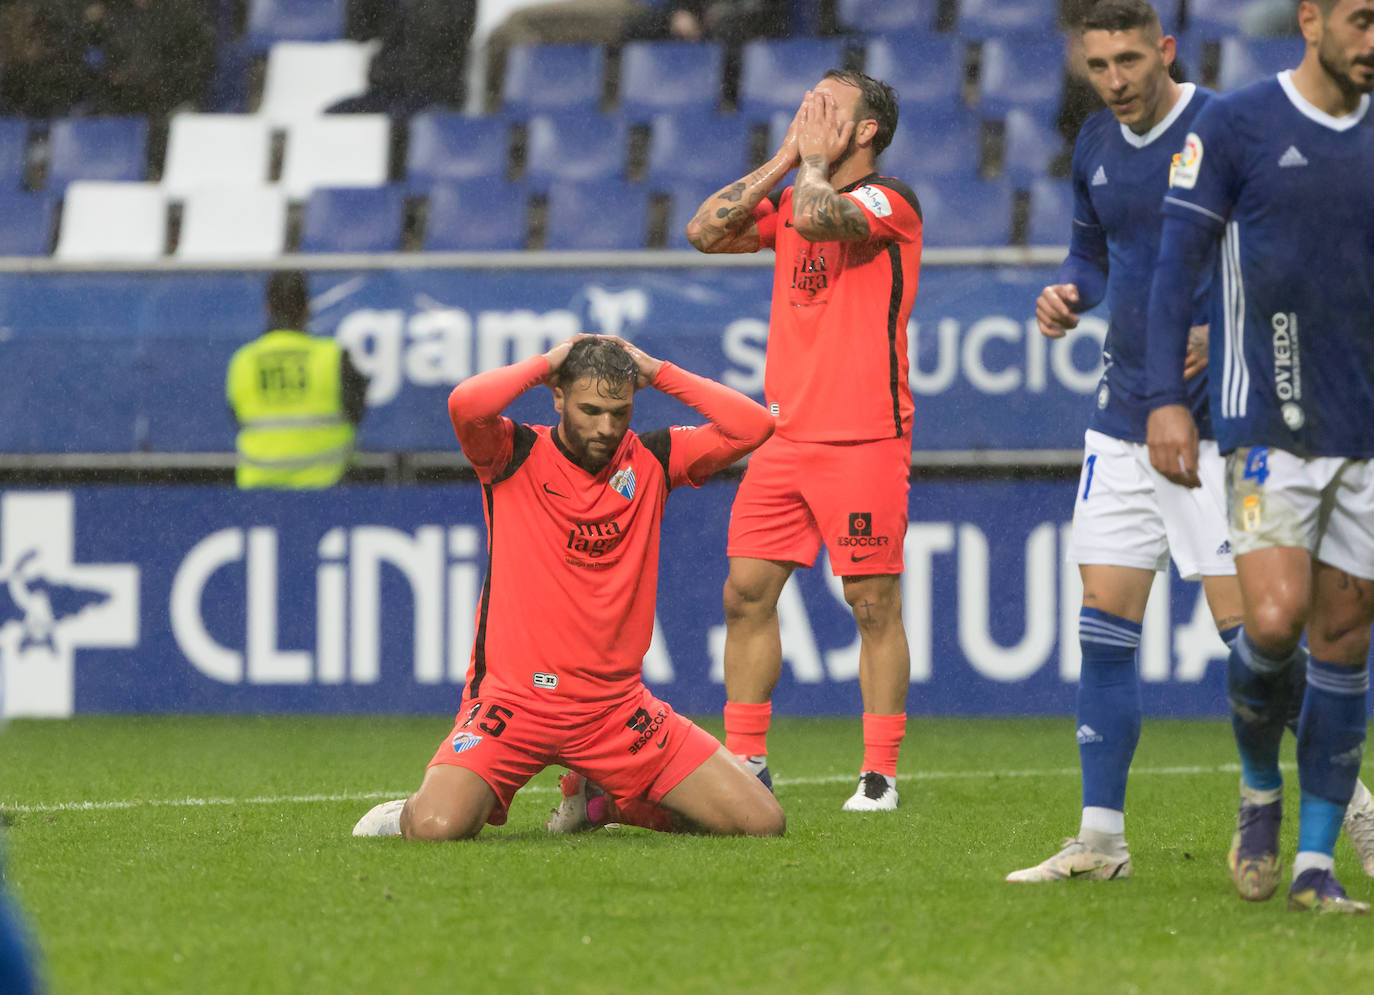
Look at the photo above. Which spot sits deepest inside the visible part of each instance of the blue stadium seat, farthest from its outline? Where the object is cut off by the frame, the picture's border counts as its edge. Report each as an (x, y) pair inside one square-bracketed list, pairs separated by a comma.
[(1215, 19), (26, 223), (597, 215), (1051, 212), (354, 219), (1025, 74), (271, 21), (97, 148), (477, 216), (884, 15), (1246, 60), (922, 69), (14, 141), (1029, 144), (444, 146), (675, 76), (1005, 18), (574, 146), (1189, 49), (948, 143), (543, 78), (963, 211), (683, 200), (704, 147), (776, 73)]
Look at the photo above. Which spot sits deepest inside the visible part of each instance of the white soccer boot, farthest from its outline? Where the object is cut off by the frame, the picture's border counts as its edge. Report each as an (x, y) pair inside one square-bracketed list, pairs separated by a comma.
[(584, 806), (1359, 826), (381, 820), (875, 793), (1077, 861)]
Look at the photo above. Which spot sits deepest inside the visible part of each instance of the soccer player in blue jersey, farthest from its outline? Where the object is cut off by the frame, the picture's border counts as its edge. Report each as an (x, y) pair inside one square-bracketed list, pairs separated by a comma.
[(1280, 173), (1127, 520)]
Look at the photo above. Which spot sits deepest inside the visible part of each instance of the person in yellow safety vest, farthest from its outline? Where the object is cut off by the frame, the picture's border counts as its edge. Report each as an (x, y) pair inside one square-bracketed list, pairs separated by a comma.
[(297, 399)]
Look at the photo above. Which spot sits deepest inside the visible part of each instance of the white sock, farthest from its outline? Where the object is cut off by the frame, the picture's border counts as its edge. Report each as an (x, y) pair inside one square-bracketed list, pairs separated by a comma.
[(1254, 796), (1103, 820), (1308, 859)]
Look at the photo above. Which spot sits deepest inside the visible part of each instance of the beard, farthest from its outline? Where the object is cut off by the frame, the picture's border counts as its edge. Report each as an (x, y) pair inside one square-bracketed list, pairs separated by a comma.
[(1340, 72), (844, 156)]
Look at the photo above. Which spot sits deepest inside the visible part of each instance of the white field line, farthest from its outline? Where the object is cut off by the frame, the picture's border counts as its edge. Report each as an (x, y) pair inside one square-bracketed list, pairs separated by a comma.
[(366, 796)]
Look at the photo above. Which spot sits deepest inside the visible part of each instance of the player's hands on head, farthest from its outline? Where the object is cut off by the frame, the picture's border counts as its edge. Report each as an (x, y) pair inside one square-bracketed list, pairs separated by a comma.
[(1054, 309), (819, 131), (558, 353), (1171, 436), (648, 366), (787, 151)]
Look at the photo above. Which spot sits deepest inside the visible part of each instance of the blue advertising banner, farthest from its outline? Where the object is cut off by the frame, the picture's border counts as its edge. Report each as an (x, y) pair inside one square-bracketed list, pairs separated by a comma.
[(184, 599), (121, 363)]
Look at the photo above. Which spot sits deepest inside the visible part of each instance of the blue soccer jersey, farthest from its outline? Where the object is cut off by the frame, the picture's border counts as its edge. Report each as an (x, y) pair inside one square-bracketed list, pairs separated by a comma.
[(1289, 190), (1119, 180)]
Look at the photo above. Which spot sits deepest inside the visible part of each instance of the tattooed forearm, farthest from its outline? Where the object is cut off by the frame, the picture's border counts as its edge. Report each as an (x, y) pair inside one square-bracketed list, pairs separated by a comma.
[(734, 192), (820, 212)]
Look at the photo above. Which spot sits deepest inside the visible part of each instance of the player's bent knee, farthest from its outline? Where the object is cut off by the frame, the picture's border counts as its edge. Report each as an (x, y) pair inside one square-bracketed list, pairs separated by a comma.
[(1274, 627), (452, 804), (746, 597)]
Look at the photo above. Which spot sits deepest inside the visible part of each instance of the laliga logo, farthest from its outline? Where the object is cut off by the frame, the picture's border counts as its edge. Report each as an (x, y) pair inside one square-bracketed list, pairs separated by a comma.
[(50, 606)]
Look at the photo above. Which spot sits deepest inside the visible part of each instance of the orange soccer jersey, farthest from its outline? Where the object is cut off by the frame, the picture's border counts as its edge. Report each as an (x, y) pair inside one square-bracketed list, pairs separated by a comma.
[(567, 606), (837, 344)]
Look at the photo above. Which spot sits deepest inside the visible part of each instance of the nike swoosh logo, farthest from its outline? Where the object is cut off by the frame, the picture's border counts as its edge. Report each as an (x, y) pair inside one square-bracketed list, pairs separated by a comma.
[(856, 558), (662, 742), (1078, 873), (550, 490), (788, 224)]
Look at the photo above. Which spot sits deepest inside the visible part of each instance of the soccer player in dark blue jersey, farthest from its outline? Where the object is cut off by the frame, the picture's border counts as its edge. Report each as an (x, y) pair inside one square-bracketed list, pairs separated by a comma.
[(1128, 519), (1280, 174)]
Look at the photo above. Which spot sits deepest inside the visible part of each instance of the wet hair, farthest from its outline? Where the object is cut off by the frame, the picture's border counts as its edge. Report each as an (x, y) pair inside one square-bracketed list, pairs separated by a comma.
[(1123, 15), (598, 360), (877, 101), (288, 300)]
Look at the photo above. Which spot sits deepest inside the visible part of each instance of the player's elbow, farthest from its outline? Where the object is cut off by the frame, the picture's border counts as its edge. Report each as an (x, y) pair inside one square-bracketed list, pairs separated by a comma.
[(700, 239)]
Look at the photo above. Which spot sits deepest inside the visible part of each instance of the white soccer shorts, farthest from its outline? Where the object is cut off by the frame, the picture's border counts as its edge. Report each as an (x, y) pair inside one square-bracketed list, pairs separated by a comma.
[(1324, 505), (1129, 515)]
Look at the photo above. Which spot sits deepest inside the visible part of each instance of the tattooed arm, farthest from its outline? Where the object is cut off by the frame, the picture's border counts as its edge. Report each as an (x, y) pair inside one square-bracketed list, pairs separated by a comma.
[(821, 214), (725, 222)]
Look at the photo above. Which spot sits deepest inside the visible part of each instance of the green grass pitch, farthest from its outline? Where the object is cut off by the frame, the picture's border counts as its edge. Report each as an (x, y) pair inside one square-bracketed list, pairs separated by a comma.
[(215, 856)]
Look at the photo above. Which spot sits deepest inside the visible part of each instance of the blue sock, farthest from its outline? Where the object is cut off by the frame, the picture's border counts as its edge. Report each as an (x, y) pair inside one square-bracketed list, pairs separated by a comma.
[(1297, 690), (1331, 734), (1108, 706), (1229, 636), (1258, 687)]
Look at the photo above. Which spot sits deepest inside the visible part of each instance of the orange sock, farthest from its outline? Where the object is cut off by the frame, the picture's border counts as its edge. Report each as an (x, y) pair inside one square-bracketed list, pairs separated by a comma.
[(882, 741), (637, 812), (746, 728)]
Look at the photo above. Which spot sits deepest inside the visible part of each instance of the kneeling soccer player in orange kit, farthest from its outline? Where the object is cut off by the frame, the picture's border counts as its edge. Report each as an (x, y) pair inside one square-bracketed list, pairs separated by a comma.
[(566, 611)]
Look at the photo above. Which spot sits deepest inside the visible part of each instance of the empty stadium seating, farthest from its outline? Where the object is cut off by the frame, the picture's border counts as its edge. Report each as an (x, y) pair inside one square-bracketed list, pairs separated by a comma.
[(776, 73), (447, 146), (964, 211), (352, 150), (216, 150), (1029, 145), (14, 137), (1215, 19), (684, 199), (924, 70), (574, 146), (97, 148), (669, 76), (303, 78), (271, 21), (543, 78), (702, 147), (112, 222), (233, 224), (936, 143), (597, 215), (1245, 60), (26, 221), (1005, 18), (1051, 212), (1024, 74), (476, 216), (885, 15), (356, 219)]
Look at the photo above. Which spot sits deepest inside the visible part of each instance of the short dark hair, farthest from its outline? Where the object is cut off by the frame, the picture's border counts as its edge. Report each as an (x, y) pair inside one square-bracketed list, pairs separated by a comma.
[(288, 299), (599, 360), (1122, 15), (878, 101)]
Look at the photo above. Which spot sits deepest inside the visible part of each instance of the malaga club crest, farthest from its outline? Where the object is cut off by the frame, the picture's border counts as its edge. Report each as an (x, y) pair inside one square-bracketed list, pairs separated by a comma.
[(623, 482)]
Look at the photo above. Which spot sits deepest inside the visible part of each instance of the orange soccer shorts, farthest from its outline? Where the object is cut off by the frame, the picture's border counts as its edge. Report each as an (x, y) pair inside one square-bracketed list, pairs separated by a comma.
[(636, 747), (851, 495)]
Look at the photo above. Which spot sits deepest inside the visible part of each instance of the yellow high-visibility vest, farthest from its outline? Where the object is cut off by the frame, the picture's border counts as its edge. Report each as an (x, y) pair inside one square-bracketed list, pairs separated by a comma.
[(286, 391)]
